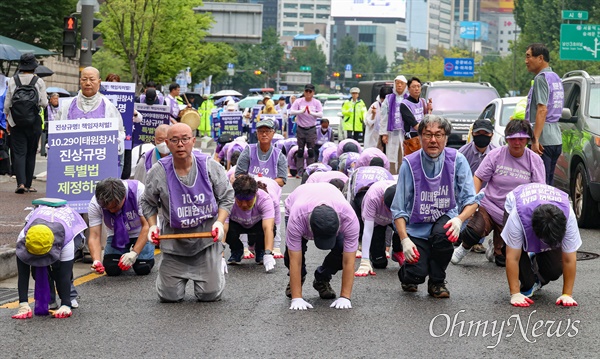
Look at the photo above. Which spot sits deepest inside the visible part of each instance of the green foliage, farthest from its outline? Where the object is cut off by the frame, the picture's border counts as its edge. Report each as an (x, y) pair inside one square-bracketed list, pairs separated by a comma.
[(107, 62), (362, 59), (311, 56), (344, 54), (37, 22)]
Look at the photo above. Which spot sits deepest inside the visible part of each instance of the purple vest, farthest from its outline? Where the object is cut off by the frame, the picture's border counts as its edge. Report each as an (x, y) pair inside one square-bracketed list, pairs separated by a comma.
[(76, 114), (65, 215), (394, 117), (52, 112), (174, 107), (433, 197), (191, 205), (556, 98), (316, 167), (267, 168), (417, 109), (323, 137), (366, 176), (126, 220), (528, 198), (347, 162), (152, 153)]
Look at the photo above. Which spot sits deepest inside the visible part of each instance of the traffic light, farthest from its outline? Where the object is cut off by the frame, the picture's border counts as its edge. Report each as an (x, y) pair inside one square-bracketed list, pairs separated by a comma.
[(336, 74), (70, 36), (257, 72), (358, 76), (95, 36)]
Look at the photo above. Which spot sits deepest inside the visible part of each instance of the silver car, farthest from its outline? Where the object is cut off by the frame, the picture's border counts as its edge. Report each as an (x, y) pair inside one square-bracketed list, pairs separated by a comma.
[(499, 112)]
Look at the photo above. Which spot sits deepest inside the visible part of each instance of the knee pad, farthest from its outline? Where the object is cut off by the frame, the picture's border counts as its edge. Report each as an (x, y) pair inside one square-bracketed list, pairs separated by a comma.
[(111, 264), (380, 262), (311, 152), (143, 266)]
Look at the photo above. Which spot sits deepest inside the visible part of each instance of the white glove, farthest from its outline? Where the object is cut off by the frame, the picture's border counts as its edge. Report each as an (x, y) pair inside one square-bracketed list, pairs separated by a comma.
[(364, 269), (127, 260), (411, 253), (268, 262), (224, 266), (121, 143), (24, 311), (300, 304), (220, 230), (453, 227), (98, 267), (566, 301), (153, 229), (62, 312), (341, 303), (519, 300)]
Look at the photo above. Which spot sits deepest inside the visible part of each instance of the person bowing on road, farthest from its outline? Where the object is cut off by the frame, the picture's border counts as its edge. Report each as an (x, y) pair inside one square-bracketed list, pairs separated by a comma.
[(117, 204), (193, 194), (319, 212)]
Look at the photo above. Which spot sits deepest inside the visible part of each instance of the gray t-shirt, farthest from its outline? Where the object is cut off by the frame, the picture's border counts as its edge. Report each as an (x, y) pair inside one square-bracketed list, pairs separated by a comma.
[(551, 134), (156, 200), (243, 162)]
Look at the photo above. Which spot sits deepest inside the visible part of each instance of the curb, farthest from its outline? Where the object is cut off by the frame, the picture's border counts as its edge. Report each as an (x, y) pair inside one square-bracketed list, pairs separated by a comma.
[(8, 263)]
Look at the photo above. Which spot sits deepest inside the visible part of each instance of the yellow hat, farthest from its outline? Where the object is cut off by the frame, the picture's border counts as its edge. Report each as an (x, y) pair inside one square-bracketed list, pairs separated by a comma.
[(39, 239)]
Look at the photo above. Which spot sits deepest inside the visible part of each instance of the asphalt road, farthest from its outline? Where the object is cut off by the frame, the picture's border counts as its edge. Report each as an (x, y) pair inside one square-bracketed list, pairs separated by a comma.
[(122, 317)]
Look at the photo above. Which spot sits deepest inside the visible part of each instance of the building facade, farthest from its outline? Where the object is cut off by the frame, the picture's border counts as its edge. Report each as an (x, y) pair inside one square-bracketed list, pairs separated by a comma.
[(293, 15), (429, 24)]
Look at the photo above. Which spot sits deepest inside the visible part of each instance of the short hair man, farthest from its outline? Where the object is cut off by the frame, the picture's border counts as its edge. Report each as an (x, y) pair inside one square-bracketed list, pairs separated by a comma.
[(542, 239), (117, 204), (152, 156), (307, 110), (391, 126), (544, 107), (172, 101)]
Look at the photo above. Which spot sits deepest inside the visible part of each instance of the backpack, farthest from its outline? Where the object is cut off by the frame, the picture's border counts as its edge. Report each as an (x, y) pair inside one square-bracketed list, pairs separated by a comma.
[(25, 110)]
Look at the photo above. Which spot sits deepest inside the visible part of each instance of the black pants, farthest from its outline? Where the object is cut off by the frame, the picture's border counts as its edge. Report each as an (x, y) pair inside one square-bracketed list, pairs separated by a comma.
[(547, 266), (435, 252), (550, 156), (306, 137), (355, 135), (377, 249), (24, 142), (256, 236), (59, 271), (357, 206)]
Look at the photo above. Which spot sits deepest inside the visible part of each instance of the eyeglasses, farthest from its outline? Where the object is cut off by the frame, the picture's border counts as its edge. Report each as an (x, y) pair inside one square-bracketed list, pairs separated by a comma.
[(308, 90), (175, 141), (264, 132), (438, 136)]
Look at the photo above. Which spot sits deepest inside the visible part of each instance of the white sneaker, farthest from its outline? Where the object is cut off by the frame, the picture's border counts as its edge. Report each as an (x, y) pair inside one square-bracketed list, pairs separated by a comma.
[(459, 253), (489, 251), (74, 304)]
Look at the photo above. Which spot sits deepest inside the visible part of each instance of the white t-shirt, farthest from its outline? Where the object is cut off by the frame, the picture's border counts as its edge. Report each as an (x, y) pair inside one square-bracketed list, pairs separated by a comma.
[(514, 235), (96, 214)]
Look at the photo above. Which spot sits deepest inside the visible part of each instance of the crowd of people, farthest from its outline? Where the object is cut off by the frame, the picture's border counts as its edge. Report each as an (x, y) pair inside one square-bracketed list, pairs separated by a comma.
[(403, 196)]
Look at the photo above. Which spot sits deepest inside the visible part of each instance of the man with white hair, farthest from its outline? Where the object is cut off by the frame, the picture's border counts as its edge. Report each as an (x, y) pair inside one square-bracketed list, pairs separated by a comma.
[(391, 126)]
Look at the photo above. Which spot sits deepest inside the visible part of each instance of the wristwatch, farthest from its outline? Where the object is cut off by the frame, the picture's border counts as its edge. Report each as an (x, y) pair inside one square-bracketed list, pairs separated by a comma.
[(268, 252)]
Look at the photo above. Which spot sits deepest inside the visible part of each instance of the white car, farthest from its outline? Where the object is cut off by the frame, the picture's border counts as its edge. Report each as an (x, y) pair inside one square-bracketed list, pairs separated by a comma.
[(334, 115), (498, 111)]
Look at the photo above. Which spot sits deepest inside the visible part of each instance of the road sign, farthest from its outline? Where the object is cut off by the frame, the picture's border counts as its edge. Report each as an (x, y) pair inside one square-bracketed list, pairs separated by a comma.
[(459, 67), (574, 15), (347, 74), (230, 66), (305, 68), (349, 68), (580, 42)]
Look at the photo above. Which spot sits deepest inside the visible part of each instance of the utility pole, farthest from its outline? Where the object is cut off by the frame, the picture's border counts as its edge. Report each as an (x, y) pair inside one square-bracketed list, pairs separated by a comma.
[(87, 32)]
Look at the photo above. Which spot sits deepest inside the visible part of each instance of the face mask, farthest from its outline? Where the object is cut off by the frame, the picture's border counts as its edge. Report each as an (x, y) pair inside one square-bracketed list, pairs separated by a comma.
[(163, 149), (482, 141)]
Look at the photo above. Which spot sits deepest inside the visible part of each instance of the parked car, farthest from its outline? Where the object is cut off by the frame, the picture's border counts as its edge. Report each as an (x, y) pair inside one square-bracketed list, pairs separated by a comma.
[(498, 111), (460, 102), (577, 170), (334, 104), (334, 115)]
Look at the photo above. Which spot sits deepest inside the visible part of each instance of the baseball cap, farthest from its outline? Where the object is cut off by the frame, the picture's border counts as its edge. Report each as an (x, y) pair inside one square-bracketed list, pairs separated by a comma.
[(483, 125), (266, 123), (309, 87), (324, 223), (401, 78), (355, 90)]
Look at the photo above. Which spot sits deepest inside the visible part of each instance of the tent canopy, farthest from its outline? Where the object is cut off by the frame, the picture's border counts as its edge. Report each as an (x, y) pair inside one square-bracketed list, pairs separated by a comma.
[(24, 47)]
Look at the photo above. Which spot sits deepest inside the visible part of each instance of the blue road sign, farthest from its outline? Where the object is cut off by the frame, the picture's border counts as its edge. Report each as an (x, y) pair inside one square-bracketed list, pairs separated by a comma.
[(348, 67), (230, 66), (459, 67)]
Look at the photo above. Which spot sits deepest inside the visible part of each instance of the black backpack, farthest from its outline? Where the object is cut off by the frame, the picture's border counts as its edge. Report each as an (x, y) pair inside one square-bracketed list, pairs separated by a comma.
[(25, 110)]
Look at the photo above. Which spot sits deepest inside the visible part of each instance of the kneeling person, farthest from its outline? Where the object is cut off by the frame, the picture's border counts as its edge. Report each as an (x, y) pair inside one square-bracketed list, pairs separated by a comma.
[(117, 203), (253, 214), (542, 239)]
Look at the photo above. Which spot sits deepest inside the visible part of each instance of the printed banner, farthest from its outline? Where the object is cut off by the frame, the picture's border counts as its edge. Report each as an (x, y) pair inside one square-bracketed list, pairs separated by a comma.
[(231, 123), (81, 153), (122, 95), (152, 117)]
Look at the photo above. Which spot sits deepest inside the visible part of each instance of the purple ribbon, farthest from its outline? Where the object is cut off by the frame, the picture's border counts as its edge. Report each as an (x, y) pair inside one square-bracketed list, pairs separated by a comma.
[(41, 293)]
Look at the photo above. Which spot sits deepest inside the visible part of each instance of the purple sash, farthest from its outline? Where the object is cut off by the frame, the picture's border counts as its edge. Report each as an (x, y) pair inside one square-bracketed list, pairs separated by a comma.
[(75, 113), (267, 168), (556, 98), (149, 156), (394, 117), (418, 110), (126, 220), (433, 197), (191, 205), (530, 196)]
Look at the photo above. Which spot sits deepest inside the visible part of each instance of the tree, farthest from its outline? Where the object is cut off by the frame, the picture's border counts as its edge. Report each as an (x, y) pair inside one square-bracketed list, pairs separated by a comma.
[(156, 38), (312, 56), (344, 53), (36, 22)]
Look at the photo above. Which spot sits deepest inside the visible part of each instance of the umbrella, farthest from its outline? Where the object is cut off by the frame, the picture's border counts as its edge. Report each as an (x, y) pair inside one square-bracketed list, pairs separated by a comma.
[(59, 90), (249, 101), (224, 93), (43, 71), (222, 100), (9, 53)]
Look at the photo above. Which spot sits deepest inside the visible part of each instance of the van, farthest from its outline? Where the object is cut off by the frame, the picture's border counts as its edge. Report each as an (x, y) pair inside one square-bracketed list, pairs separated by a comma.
[(369, 90)]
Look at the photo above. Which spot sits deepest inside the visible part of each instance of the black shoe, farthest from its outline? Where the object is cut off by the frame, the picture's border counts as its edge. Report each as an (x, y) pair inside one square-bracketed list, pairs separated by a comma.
[(324, 289), (411, 288), (438, 290), (288, 289), (500, 260), (87, 258)]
